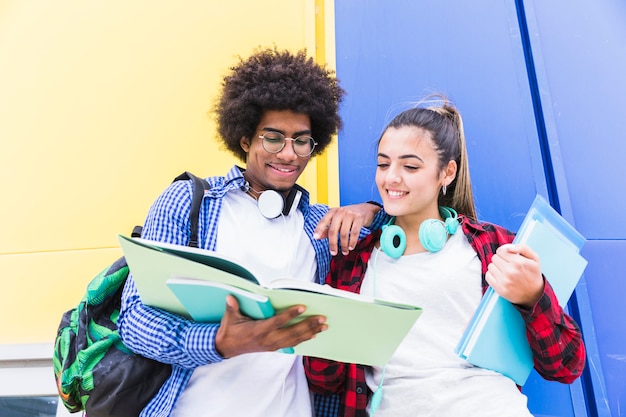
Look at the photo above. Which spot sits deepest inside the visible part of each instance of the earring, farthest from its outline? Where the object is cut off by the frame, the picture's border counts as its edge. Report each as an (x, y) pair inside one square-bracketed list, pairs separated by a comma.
[(444, 189)]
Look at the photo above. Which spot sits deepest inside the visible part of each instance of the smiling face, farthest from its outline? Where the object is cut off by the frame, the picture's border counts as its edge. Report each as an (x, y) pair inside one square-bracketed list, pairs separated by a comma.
[(409, 177), (276, 171)]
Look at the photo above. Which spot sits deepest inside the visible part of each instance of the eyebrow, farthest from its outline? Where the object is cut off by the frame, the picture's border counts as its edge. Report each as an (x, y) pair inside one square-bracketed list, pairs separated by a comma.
[(295, 135), (406, 156)]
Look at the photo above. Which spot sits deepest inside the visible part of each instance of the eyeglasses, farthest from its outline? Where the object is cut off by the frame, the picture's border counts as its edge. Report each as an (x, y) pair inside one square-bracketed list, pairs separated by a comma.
[(274, 142)]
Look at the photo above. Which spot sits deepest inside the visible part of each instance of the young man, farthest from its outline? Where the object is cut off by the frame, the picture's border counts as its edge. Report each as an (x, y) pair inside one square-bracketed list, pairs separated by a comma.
[(276, 110)]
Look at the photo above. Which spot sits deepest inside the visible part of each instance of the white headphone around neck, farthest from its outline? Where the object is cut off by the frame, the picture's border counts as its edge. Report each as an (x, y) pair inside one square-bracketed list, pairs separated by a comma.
[(272, 204)]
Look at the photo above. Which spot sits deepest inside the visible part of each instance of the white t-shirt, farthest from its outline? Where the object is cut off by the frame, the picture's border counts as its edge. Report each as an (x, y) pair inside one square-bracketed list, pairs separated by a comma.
[(424, 376), (255, 384)]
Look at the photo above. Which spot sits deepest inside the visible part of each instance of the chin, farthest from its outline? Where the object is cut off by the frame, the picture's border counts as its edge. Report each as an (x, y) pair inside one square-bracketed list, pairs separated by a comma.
[(393, 209), (282, 187)]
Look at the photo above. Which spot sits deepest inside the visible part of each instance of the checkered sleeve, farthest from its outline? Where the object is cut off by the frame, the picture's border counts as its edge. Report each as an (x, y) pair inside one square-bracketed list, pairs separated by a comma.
[(326, 405), (555, 339), (325, 377), (164, 336)]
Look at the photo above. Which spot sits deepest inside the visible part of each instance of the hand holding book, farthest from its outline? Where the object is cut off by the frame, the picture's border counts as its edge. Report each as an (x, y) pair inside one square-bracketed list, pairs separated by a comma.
[(239, 334), (515, 274)]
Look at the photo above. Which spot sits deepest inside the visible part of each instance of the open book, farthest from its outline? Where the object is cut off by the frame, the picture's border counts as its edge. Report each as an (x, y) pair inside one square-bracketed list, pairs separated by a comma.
[(495, 338), (194, 283)]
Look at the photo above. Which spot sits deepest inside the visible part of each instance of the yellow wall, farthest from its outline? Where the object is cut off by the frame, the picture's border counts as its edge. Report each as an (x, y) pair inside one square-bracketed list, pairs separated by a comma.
[(102, 104)]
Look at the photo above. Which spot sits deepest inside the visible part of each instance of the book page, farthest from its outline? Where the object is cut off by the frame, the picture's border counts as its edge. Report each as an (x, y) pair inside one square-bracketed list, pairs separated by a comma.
[(293, 284)]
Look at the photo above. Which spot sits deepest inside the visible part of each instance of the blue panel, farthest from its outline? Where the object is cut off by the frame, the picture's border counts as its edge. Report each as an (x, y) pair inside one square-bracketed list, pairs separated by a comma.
[(580, 59), (581, 55), (389, 57), (551, 398), (606, 285)]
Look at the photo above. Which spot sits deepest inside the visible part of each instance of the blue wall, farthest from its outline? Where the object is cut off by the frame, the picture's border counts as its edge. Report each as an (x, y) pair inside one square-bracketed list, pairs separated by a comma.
[(540, 85)]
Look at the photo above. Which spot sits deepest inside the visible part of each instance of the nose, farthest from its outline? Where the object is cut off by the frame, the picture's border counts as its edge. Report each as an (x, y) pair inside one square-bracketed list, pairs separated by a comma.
[(288, 152), (393, 176)]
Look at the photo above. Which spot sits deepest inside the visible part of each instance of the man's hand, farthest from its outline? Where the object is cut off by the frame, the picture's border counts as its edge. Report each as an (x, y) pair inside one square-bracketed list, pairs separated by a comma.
[(345, 222), (239, 334), (515, 274)]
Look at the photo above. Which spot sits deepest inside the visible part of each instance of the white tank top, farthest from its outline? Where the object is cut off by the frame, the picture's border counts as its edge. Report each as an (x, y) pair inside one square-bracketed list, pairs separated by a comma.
[(424, 376)]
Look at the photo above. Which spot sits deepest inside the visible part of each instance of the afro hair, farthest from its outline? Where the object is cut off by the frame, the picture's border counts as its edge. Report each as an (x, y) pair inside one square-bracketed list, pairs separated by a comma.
[(277, 80)]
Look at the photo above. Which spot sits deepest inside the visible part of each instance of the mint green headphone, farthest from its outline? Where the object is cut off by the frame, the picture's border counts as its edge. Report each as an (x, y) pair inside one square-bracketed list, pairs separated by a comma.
[(433, 233)]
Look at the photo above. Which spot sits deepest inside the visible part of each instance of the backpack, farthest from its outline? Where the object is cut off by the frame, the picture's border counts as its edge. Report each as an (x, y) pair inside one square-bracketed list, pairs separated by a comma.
[(93, 369)]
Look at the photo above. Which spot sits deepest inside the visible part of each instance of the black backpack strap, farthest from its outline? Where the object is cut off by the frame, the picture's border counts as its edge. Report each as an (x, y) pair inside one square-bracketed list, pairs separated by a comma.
[(136, 231), (199, 186)]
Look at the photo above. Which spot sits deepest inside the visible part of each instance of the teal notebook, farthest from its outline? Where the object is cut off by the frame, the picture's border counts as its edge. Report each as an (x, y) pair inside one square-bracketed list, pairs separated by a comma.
[(205, 301), (495, 338)]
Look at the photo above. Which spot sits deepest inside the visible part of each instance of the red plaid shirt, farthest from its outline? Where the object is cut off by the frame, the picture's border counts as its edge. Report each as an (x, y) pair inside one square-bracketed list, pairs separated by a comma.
[(554, 337)]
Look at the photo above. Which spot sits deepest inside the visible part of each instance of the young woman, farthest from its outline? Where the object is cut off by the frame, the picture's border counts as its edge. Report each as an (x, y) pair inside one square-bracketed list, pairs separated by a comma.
[(436, 255)]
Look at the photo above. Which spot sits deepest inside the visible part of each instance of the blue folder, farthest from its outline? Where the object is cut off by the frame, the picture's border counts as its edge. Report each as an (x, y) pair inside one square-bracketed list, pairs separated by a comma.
[(495, 337)]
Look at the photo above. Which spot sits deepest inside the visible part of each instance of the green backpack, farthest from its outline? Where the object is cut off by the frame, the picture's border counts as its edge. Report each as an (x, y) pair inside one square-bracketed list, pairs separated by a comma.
[(93, 369)]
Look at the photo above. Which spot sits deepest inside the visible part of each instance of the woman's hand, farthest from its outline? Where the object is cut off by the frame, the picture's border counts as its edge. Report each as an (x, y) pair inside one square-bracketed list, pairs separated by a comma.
[(515, 274), (345, 222)]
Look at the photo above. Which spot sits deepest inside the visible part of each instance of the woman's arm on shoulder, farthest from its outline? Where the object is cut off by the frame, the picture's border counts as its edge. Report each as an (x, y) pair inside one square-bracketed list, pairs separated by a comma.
[(345, 226)]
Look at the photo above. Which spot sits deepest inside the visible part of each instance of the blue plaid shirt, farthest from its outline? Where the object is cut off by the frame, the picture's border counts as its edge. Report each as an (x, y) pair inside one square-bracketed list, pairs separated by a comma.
[(185, 344)]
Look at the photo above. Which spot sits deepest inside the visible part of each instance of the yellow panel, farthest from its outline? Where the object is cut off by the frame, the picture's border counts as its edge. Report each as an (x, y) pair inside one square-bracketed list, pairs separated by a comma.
[(38, 288), (321, 177), (327, 165), (332, 154), (102, 104), (320, 51)]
